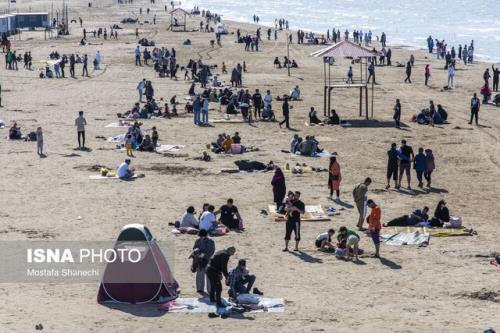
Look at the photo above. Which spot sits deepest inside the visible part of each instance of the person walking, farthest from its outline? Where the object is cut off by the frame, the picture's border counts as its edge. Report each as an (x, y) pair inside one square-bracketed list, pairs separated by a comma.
[(294, 208), (392, 166), (406, 157), (85, 62), (360, 195), (430, 165), (39, 142), (408, 72), (80, 124), (397, 114), (334, 177), (217, 267), (420, 166), (374, 225), (286, 113), (204, 248), (371, 73), (475, 104), (427, 73)]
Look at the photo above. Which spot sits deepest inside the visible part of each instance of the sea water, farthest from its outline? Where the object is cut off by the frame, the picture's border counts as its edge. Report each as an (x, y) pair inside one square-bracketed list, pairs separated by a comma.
[(405, 22)]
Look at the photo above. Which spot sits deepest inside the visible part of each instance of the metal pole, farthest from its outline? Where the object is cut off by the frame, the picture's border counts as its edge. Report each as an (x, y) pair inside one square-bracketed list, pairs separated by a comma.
[(288, 52)]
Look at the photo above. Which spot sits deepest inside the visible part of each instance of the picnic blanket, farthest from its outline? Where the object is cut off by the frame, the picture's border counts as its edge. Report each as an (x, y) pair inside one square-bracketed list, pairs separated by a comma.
[(100, 177), (298, 169), (120, 139), (324, 153), (228, 120), (434, 232), (313, 213), (169, 148), (203, 305), (404, 238), (121, 124)]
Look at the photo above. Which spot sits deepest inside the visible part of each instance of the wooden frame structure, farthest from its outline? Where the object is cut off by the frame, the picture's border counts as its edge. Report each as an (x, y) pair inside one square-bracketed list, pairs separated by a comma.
[(178, 20), (346, 49)]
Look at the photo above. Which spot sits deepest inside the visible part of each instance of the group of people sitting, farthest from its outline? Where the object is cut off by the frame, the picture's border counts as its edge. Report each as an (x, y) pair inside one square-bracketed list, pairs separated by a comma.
[(431, 115), (346, 247), (136, 140), (333, 119), (307, 147), (229, 219), (243, 100), (228, 144), (420, 218), (151, 109), (286, 63)]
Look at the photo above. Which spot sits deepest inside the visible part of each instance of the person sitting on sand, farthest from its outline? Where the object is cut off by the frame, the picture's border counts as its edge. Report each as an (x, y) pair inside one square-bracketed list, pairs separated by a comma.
[(147, 144), (277, 63), (189, 220), (306, 147), (313, 117), (230, 216), (294, 144), (441, 215), (217, 144), (334, 118), (412, 219), (324, 241), (267, 113), (241, 281), (209, 222), (349, 240), (227, 143), (15, 132), (295, 94), (236, 138), (294, 64), (442, 113), (124, 171)]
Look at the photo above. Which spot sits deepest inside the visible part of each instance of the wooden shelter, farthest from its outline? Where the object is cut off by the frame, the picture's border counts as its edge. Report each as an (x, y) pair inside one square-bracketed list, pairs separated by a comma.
[(178, 19), (350, 50)]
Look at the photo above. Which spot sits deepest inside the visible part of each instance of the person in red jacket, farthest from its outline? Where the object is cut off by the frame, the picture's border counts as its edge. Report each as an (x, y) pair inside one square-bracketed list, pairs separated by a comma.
[(374, 225)]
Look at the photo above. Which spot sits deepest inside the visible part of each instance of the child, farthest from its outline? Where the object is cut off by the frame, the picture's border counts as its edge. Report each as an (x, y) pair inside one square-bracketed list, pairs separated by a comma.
[(224, 69), (128, 145), (39, 141), (154, 137), (349, 75)]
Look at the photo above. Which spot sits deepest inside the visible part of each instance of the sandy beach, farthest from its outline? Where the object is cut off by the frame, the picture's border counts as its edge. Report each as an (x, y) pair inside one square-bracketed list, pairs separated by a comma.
[(448, 286)]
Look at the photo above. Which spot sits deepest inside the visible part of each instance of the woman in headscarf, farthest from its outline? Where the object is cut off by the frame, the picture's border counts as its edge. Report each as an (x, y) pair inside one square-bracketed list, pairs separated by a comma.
[(279, 187), (441, 215), (334, 177)]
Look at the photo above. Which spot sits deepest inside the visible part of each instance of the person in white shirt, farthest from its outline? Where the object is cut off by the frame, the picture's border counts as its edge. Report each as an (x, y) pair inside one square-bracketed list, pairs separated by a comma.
[(124, 171), (295, 93), (268, 99), (324, 240), (80, 123), (451, 75), (189, 220), (208, 221)]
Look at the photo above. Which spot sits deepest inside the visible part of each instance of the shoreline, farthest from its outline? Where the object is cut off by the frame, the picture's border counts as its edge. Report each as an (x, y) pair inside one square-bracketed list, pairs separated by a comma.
[(480, 58)]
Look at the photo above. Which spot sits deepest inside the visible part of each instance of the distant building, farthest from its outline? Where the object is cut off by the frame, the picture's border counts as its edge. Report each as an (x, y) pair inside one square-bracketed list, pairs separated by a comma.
[(7, 24), (32, 21)]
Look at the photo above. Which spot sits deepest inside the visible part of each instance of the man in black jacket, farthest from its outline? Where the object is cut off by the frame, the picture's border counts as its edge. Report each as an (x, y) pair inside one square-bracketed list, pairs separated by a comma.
[(216, 268)]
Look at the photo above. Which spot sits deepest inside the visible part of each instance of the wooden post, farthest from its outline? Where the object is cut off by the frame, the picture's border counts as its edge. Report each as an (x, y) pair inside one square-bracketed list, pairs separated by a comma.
[(366, 100), (373, 86), (360, 101)]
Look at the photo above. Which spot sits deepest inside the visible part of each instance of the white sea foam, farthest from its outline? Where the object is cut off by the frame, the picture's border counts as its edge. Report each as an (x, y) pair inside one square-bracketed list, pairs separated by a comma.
[(406, 22)]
